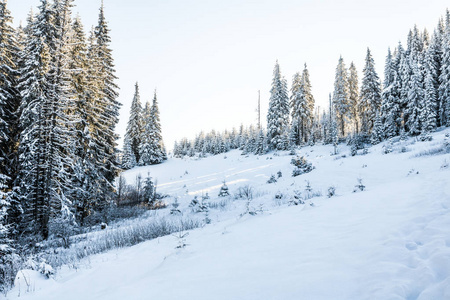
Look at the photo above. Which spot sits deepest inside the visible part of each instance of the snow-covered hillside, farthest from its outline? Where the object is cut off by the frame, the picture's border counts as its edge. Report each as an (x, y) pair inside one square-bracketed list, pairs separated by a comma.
[(390, 241)]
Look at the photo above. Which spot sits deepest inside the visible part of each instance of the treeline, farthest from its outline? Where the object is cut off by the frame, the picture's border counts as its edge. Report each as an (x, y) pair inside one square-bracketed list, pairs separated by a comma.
[(58, 112), (414, 99), (248, 139), (143, 143)]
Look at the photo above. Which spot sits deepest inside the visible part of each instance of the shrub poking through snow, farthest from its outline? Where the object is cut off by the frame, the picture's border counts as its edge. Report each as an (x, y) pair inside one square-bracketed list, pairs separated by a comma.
[(353, 150), (224, 190), (360, 186), (447, 142), (301, 165), (194, 204), (308, 190), (425, 137), (297, 198), (387, 147), (181, 237), (279, 174), (246, 192), (272, 179), (175, 210), (331, 191)]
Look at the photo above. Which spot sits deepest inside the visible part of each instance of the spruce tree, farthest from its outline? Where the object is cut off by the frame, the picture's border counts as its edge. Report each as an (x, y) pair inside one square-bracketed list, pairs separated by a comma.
[(10, 98), (299, 111), (47, 141), (444, 78), (106, 111), (86, 174), (429, 114), (370, 97), (415, 97), (390, 110), (377, 134), (353, 96), (128, 157), (310, 102), (134, 127), (341, 104), (405, 74), (159, 150), (151, 149), (278, 114)]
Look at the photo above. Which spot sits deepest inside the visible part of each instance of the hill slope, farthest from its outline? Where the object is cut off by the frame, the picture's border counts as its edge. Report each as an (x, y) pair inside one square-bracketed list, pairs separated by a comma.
[(390, 241)]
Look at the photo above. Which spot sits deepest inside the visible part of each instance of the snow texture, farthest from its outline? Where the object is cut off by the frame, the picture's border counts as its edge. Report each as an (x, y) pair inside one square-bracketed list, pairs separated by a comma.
[(390, 241)]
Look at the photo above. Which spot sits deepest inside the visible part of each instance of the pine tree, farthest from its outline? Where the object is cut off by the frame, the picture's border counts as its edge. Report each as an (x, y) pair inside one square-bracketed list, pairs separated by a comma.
[(370, 95), (261, 143), (106, 111), (47, 142), (390, 110), (86, 173), (134, 127), (341, 98), (128, 158), (353, 96), (152, 150), (278, 114), (444, 78), (310, 102), (9, 128), (405, 74), (415, 96), (145, 147), (429, 114), (158, 144), (377, 133), (299, 111)]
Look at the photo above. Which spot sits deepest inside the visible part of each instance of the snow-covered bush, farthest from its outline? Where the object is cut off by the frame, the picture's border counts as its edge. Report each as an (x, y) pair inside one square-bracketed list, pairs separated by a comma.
[(244, 192), (10, 264), (221, 205), (425, 137), (62, 229), (181, 239), (272, 179), (309, 193), (388, 146), (296, 199), (446, 143), (224, 190), (198, 206), (175, 210), (301, 165), (360, 186), (331, 191), (353, 150)]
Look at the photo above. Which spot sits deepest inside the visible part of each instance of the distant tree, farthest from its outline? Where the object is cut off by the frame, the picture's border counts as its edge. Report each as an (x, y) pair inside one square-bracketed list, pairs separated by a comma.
[(390, 110), (128, 158), (370, 97), (341, 104), (444, 78), (278, 114), (135, 123), (353, 96), (152, 150)]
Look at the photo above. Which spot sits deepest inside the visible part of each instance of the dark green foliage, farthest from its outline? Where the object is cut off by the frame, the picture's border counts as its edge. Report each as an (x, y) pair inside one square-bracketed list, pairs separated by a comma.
[(301, 165)]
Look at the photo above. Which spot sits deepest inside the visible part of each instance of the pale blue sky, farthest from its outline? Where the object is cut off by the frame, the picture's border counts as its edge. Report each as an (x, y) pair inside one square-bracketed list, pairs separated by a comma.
[(208, 59)]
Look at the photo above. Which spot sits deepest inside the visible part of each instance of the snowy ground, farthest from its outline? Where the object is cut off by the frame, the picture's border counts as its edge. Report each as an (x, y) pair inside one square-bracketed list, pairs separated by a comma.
[(391, 241)]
